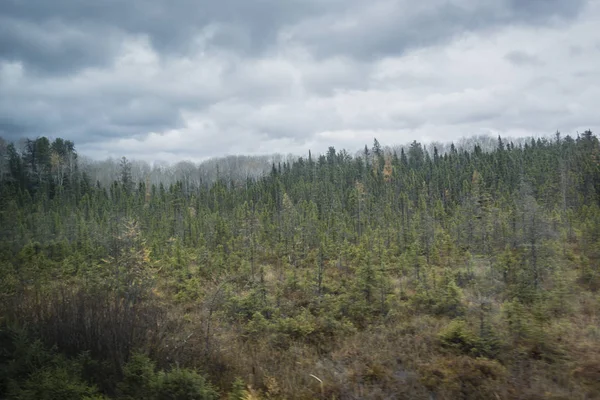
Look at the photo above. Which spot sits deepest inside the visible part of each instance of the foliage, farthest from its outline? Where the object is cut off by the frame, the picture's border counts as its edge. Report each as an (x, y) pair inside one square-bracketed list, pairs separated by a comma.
[(408, 272)]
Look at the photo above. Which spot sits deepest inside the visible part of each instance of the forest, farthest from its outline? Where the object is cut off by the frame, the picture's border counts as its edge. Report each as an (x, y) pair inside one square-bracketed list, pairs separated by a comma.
[(415, 272)]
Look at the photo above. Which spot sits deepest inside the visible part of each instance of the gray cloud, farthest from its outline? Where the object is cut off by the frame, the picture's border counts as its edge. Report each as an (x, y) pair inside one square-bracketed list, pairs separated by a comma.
[(52, 46), (541, 10), (522, 58), (11, 128), (388, 27), (62, 35), (195, 79)]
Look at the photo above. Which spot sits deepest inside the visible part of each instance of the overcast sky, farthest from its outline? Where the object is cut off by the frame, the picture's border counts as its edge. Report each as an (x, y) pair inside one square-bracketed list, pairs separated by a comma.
[(191, 79)]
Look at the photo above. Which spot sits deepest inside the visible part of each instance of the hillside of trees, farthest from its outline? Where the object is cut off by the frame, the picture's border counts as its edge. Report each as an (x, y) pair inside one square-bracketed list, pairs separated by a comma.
[(416, 272)]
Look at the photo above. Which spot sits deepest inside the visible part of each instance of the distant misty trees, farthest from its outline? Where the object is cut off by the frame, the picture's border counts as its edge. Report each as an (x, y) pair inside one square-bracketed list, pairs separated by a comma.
[(236, 168)]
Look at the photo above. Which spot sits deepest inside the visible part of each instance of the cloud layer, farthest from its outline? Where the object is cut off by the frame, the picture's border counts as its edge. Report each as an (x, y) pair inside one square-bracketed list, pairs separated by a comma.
[(194, 79)]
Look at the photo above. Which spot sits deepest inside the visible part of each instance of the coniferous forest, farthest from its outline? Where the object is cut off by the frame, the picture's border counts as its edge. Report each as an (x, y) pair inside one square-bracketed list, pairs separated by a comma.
[(459, 274)]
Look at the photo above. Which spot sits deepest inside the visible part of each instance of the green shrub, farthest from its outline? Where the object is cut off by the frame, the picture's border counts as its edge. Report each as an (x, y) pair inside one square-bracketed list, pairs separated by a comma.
[(238, 390), (139, 378), (28, 370), (55, 383), (446, 299), (184, 384), (458, 336), (142, 381)]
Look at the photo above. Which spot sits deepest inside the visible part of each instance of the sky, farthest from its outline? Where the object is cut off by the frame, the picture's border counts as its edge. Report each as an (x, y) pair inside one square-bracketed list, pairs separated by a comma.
[(194, 79)]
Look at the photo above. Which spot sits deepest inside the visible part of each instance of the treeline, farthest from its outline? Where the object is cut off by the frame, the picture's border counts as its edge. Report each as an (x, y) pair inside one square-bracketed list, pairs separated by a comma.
[(443, 272), (229, 168)]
